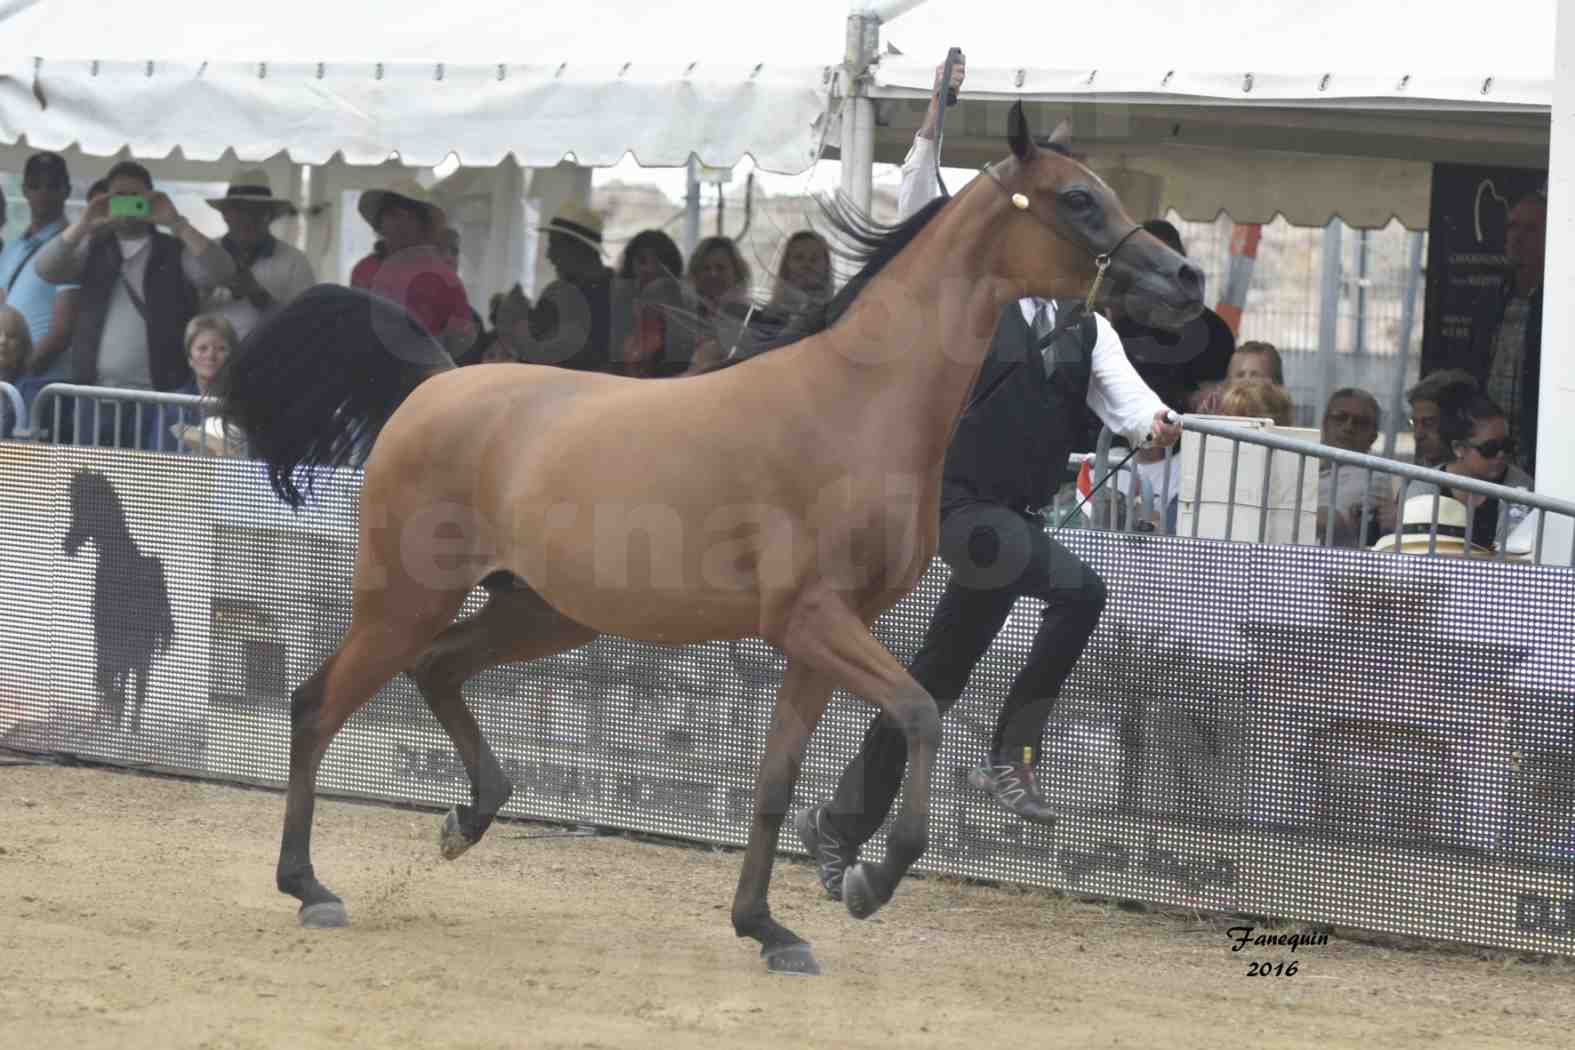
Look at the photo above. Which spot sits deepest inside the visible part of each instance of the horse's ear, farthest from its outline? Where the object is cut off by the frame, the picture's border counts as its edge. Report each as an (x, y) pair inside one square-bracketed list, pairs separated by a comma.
[(1017, 135), (1062, 135)]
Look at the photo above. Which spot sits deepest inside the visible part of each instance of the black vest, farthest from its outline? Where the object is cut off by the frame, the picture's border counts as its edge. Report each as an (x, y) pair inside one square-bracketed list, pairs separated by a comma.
[(169, 299), (1012, 443)]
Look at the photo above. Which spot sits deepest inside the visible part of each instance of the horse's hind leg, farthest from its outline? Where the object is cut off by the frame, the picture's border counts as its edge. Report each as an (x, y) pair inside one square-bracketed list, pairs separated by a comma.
[(138, 696), (112, 700), (387, 632), (515, 625)]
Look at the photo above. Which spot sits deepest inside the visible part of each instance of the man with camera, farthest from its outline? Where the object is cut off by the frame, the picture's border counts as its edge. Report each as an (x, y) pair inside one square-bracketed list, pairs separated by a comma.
[(138, 287)]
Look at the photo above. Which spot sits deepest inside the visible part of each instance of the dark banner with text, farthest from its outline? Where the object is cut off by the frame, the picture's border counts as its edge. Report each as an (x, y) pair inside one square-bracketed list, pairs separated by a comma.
[(1467, 272)]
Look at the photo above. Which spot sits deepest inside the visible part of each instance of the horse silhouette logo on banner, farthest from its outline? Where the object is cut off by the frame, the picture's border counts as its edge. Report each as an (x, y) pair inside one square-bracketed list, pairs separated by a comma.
[(132, 622)]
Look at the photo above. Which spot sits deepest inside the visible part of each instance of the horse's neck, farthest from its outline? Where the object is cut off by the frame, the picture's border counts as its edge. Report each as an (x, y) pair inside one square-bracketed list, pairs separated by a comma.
[(115, 543), (914, 341)]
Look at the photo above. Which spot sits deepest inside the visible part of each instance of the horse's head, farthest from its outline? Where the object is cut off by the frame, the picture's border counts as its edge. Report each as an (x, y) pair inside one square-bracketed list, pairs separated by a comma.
[(1072, 228), (95, 508)]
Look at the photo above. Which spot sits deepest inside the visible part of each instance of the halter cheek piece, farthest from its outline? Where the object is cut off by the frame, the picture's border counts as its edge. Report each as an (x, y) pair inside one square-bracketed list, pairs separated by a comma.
[(1102, 261)]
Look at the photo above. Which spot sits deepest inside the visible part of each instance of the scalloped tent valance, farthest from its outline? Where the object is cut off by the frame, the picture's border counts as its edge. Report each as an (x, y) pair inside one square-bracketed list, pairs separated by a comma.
[(1253, 107), (1249, 106), (484, 79)]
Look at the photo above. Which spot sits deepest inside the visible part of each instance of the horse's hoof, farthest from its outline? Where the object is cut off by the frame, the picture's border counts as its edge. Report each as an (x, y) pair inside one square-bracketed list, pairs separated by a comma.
[(451, 840), (859, 893), (324, 915), (791, 960)]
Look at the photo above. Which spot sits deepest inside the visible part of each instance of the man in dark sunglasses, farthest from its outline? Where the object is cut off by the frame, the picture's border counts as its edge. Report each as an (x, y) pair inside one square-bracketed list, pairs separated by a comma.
[(1476, 431)]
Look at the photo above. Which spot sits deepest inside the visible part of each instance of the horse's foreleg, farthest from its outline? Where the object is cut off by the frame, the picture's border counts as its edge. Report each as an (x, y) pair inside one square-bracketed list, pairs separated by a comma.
[(800, 702), (372, 653), (514, 626), (828, 635)]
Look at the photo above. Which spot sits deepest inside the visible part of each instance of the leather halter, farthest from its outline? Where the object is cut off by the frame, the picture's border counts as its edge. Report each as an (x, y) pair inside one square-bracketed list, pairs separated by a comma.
[(1102, 260)]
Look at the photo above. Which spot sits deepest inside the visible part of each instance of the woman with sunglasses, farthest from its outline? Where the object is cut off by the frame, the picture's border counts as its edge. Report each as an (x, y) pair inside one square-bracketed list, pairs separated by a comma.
[(1476, 432)]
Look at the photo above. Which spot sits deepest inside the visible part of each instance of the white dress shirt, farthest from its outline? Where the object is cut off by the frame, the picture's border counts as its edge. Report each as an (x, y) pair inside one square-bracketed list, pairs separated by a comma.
[(1116, 393)]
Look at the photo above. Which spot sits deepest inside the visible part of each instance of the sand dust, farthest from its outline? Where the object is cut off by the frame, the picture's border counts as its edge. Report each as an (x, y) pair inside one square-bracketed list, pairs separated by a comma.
[(140, 912)]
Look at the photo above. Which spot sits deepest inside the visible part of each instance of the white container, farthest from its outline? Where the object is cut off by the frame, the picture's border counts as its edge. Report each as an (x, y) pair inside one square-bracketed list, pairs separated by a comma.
[(1210, 507)]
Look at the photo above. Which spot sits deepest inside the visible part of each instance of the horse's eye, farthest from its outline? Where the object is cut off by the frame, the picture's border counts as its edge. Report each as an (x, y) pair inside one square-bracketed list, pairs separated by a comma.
[(1078, 200)]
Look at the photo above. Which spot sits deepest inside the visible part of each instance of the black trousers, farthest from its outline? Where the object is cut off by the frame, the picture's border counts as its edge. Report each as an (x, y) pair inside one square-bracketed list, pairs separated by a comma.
[(996, 556)]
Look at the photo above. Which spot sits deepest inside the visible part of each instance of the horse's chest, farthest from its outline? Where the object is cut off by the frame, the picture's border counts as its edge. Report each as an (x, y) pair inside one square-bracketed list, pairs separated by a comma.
[(894, 550)]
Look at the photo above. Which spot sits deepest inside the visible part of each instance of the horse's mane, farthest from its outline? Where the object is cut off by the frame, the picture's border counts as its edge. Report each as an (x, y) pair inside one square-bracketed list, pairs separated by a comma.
[(868, 244)]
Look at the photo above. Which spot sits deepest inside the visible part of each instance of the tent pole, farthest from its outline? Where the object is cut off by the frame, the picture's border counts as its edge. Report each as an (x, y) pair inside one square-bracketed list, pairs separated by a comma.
[(692, 208), (1328, 316), (1556, 407), (858, 152), (1413, 279), (858, 117)]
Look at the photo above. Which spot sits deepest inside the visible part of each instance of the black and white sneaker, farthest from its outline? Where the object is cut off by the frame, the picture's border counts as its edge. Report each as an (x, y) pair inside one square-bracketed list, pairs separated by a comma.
[(831, 855), (1012, 785)]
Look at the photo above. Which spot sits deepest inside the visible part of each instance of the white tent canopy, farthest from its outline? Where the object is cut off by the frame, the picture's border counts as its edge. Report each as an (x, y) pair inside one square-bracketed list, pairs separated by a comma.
[(1254, 107), (484, 79), (1251, 107)]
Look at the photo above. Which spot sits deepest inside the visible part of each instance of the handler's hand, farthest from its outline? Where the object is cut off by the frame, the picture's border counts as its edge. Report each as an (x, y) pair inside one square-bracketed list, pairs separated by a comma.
[(1165, 433), (958, 71)]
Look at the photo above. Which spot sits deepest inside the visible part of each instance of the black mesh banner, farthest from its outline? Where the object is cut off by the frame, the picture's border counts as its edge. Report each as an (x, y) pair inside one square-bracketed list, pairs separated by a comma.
[(1323, 735)]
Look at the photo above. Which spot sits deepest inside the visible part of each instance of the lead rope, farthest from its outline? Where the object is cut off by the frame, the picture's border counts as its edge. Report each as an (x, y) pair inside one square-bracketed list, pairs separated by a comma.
[(947, 98)]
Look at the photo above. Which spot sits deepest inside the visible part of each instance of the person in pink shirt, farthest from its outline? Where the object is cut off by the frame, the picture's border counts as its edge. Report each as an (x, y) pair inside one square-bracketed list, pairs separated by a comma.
[(409, 267)]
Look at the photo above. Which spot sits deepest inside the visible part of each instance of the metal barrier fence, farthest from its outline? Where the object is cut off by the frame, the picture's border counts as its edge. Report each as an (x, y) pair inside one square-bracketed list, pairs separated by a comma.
[(149, 420), (143, 420), (13, 412), (1316, 734), (1129, 509)]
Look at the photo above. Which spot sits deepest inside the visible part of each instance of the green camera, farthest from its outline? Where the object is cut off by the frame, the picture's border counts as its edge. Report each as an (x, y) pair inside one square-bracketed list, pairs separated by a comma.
[(129, 206)]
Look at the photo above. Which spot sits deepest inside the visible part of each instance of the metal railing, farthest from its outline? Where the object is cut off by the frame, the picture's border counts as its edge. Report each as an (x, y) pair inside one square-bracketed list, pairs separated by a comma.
[(1126, 509), (13, 412), (143, 420), (146, 420)]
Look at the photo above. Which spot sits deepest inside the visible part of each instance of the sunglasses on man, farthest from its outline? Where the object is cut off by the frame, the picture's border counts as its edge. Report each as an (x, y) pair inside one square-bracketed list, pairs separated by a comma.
[(1495, 447)]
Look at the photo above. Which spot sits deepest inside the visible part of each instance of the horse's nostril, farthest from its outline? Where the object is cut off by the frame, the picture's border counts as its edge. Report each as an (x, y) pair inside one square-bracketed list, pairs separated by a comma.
[(1191, 279)]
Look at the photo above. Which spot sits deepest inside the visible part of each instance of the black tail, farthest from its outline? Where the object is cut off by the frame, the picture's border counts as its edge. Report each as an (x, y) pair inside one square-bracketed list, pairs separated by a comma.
[(312, 386)]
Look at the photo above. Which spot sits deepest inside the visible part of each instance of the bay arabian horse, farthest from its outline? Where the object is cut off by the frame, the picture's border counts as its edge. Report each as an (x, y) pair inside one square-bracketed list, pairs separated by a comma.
[(794, 497)]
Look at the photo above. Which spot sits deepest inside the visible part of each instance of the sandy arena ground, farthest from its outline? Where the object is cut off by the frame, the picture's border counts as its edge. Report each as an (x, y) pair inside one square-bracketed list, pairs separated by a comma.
[(140, 912)]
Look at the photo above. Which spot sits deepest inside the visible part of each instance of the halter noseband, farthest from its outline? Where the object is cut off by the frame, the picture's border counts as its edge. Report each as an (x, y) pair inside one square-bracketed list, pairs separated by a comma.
[(1102, 261)]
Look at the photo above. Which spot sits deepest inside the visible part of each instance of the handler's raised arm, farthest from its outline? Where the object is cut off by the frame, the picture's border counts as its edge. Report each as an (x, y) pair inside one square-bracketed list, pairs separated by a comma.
[(918, 168)]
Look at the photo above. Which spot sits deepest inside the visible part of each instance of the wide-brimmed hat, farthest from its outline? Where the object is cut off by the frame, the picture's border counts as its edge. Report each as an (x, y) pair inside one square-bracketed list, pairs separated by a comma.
[(577, 221), (251, 186), (1416, 529), (407, 190)]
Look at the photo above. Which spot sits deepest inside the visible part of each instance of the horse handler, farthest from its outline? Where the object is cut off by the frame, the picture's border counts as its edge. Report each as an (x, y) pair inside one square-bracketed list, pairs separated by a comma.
[(1006, 457)]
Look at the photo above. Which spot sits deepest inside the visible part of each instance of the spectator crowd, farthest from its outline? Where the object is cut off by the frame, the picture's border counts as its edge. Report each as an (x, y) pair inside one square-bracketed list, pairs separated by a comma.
[(132, 295)]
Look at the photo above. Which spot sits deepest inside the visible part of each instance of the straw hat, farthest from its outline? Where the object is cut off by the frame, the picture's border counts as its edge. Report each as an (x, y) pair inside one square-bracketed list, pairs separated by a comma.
[(577, 221), (1416, 529), (407, 190), (251, 186)]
